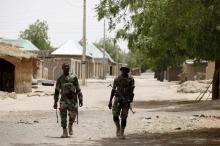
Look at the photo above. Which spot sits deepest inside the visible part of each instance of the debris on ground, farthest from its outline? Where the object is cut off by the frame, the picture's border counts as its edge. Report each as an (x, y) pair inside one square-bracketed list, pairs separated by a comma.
[(4, 95), (34, 86), (40, 93), (199, 86), (178, 128), (48, 83), (34, 82), (193, 118), (24, 122), (202, 115), (33, 94), (148, 118), (205, 116), (195, 115), (209, 117), (27, 122)]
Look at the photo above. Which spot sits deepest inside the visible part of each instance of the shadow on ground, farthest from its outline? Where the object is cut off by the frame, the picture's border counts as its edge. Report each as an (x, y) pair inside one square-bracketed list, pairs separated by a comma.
[(201, 137), (177, 106)]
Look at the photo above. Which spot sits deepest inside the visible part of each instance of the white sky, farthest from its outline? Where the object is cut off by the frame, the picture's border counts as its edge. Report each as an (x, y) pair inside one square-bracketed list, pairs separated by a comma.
[(64, 18)]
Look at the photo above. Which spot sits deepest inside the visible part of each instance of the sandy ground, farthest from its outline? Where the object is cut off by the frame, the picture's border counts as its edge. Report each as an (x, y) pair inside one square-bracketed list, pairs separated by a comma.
[(163, 118)]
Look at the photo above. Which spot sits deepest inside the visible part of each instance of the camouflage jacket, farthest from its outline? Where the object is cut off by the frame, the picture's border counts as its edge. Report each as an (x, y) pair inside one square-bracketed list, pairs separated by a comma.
[(124, 87), (68, 87)]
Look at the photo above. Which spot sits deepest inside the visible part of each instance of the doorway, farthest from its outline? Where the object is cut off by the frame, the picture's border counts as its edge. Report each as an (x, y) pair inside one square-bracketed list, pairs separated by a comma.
[(7, 76), (111, 70)]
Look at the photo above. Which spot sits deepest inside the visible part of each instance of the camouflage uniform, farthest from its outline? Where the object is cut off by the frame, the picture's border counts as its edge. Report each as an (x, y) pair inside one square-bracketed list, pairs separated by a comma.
[(123, 96), (70, 91), (122, 92)]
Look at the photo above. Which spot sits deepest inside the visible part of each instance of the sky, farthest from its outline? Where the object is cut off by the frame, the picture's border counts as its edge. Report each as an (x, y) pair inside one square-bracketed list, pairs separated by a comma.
[(64, 18)]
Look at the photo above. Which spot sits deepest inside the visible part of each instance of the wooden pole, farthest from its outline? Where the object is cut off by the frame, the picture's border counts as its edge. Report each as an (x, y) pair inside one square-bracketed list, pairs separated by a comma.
[(104, 62), (84, 45)]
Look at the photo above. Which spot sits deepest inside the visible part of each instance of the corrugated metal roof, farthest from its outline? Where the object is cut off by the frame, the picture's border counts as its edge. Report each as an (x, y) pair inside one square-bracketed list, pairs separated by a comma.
[(94, 51), (70, 48), (25, 45), (14, 51), (73, 48), (107, 56), (97, 53)]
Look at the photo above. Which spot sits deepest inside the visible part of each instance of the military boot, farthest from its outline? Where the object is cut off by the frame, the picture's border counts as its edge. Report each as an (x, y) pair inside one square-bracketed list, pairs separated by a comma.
[(65, 134), (122, 133), (118, 127), (70, 130)]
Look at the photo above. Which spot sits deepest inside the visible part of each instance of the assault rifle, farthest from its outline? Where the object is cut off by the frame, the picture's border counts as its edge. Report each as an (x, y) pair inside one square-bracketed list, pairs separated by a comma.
[(121, 98)]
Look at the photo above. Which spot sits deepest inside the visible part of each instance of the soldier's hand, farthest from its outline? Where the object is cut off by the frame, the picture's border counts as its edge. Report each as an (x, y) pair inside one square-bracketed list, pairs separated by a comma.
[(80, 103), (110, 105), (55, 105)]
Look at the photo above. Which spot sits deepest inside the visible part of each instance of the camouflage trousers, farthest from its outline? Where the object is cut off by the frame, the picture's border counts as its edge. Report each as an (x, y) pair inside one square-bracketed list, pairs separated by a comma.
[(71, 110), (120, 108)]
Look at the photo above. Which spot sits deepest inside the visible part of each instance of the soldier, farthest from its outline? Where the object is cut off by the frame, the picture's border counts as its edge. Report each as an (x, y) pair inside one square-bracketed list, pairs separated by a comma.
[(67, 85), (122, 90)]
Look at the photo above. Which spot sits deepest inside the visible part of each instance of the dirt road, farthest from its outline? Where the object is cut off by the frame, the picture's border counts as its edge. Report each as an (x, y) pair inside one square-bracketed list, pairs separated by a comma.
[(163, 118)]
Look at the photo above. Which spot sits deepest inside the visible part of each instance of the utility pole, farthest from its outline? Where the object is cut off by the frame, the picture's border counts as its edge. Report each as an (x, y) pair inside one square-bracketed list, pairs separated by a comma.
[(117, 59), (84, 45), (103, 62)]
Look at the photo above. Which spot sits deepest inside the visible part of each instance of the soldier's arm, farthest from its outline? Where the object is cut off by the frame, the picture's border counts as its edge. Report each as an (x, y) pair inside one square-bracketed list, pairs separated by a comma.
[(113, 90), (57, 91), (132, 86), (78, 90)]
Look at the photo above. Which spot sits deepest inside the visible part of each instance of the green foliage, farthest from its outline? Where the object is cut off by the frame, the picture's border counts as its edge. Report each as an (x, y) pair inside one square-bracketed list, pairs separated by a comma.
[(112, 48), (137, 58), (37, 34), (166, 31)]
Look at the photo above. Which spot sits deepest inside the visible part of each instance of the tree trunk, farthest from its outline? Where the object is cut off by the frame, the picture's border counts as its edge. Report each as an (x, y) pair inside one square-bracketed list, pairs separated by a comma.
[(162, 75), (155, 74), (158, 75), (215, 84)]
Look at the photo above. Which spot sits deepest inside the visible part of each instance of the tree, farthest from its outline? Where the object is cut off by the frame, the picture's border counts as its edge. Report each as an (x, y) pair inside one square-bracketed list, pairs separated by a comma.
[(199, 24), (37, 34), (137, 58), (112, 48), (147, 30), (170, 30)]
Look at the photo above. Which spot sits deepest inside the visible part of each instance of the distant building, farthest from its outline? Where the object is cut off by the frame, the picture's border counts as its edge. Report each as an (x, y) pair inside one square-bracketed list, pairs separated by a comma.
[(112, 66), (71, 53), (101, 58), (97, 57), (172, 73), (16, 69), (194, 70), (25, 45), (210, 69)]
